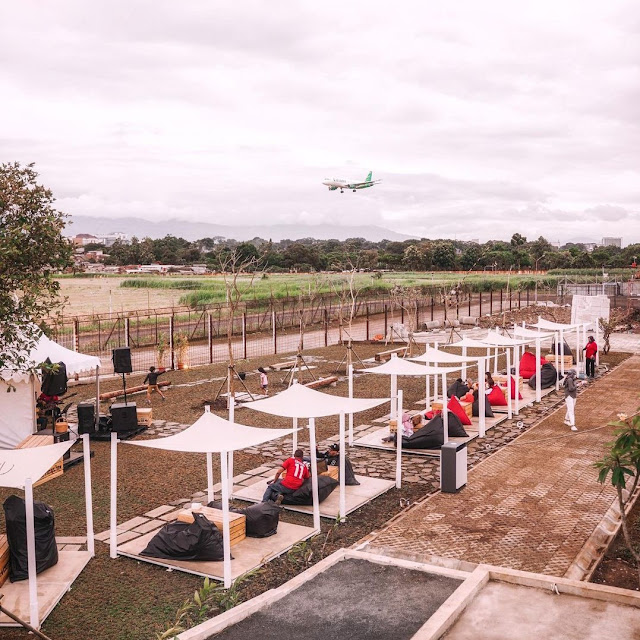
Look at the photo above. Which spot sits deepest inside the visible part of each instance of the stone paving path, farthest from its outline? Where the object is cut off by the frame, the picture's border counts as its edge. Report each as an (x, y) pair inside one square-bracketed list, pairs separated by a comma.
[(533, 504)]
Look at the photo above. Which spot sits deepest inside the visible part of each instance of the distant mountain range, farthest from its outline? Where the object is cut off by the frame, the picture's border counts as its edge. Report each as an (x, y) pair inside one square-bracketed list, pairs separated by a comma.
[(195, 230)]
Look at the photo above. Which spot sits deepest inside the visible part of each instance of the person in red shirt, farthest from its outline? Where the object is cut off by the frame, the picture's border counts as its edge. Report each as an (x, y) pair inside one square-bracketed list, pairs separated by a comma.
[(297, 473), (590, 357)]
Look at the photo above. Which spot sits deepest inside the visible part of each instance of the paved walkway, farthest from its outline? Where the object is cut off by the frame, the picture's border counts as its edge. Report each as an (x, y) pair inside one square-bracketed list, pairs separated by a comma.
[(533, 504)]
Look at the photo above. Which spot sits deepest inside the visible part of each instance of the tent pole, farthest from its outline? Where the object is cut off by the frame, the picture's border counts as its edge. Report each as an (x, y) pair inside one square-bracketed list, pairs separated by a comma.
[(210, 495), (562, 348), (294, 445), (445, 409), (558, 337), (482, 399), (226, 534), (495, 361), (399, 444), (350, 396), (314, 474), (113, 516), (88, 497), (97, 416), (578, 337), (31, 555), (394, 396), (232, 418), (597, 340), (517, 383), (538, 381), (509, 379), (427, 390), (464, 365), (342, 515)]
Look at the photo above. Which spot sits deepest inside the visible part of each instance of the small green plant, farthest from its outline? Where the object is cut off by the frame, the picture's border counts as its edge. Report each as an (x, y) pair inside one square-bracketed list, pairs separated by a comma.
[(622, 464), (161, 349), (182, 349), (301, 554)]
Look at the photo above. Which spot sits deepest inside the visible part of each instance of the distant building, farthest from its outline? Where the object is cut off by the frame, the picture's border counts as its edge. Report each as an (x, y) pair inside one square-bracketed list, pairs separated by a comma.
[(590, 246), (84, 238), (107, 239), (612, 242)]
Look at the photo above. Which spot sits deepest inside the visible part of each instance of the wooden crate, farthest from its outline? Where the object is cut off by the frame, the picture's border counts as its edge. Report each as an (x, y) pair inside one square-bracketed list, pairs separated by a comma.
[(4, 559), (40, 441), (502, 381), (145, 415), (467, 406), (237, 521), (332, 472), (568, 361)]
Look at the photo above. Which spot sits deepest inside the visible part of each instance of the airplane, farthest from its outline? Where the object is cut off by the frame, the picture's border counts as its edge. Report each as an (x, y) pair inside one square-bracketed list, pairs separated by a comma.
[(343, 184)]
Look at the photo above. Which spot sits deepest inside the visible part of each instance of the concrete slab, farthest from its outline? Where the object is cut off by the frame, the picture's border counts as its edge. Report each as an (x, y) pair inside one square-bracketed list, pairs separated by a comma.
[(248, 554), (356, 496), (158, 511), (52, 585)]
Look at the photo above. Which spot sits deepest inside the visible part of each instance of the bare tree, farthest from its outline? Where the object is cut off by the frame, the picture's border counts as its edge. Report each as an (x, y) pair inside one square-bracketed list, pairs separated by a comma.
[(407, 299)]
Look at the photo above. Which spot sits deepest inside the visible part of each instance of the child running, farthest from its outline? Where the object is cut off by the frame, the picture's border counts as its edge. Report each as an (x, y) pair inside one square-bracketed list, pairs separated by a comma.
[(152, 380), (264, 381)]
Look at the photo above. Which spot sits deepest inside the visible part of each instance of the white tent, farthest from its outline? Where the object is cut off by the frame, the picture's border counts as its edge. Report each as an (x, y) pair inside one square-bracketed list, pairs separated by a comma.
[(534, 336), (562, 328), (209, 434), (434, 357), (18, 405), (298, 402), (20, 469)]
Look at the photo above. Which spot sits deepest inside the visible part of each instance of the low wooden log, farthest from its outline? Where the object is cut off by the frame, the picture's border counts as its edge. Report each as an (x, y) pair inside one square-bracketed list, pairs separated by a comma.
[(136, 389)]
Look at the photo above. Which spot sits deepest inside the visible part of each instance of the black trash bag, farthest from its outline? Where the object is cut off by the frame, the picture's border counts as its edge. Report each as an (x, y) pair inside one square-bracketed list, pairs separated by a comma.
[(564, 349), (54, 384), (304, 495), (45, 533), (199, 540), (261, 519), (548, 376), (458, 389)]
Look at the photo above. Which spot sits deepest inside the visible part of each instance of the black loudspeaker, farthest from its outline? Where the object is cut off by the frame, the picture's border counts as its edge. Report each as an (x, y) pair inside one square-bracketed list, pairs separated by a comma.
[(121, 360), (124, 417), (55, 384), (86, 418)]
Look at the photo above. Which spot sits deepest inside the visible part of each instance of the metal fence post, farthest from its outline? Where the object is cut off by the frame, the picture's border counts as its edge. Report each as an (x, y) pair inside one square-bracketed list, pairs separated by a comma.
[(431, 308), (386, 321), (500, 299), (244, 336), (210, 337), (76, 335), (126, 332), (480, 305), (367, 325), (171, 341), (275, 337), (490, 302), (326, 328), (401, 310), (470, 294)]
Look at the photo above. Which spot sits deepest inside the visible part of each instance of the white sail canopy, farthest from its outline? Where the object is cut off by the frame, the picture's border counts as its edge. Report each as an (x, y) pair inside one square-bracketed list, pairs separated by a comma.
[(400, 367), (17, 465), (435, 356)]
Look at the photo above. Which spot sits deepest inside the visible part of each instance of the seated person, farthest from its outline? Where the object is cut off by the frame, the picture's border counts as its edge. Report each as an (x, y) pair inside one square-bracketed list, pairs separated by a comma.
[(409, 425), (331, 455), (458, 388), (489, 382), (297, 473)]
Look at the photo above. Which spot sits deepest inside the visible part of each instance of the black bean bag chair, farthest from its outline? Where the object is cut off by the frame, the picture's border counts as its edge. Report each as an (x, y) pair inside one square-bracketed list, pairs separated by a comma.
[(431, 436), (475, 407), (548, 377), (349, 475), (458, 389), (45, 534), (304, 495), (564, 349), (261, 519), (200, 540)]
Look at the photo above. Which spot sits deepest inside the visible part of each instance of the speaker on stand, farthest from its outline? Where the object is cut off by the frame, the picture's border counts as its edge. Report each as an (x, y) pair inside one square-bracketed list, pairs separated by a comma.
[(124, 417), (121, 358), (86, 418)]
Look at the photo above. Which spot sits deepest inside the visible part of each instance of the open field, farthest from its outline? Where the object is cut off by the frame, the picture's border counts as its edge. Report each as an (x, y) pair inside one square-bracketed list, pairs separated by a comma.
[(118, 294)]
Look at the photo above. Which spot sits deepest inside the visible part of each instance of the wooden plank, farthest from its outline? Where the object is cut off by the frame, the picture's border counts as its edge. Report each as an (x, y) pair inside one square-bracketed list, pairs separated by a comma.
[(280, 366), (322, 382), (4, 559), (38, 441), (237, 521), (383, 356)]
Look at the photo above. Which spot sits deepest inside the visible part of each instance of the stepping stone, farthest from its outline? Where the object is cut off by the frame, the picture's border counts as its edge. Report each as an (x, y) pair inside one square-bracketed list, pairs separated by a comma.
[(131, 524), (126, 536), (72, 547), (169, 517), (158, 511), (71, 540), (103, 536), (149, 526)]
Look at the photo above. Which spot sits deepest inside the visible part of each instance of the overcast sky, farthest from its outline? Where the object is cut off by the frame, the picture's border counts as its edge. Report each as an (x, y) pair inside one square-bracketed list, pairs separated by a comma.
[(482, 118)]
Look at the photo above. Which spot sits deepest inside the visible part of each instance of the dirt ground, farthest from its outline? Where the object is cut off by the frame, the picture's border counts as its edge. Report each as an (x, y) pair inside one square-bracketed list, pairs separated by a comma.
[(126, 600)]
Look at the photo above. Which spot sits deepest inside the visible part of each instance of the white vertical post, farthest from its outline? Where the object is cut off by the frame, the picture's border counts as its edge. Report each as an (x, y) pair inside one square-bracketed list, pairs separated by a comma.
[(445, 410), (427, 391), (97, 416), (342, 514), (226, 533), (209, 455), (557, 338), (113, 515), (88, 496), (394, 396), (314, 474), (232, 418), (464, 364), (399, 444), (350, 368), (517, 376), (31, 555), (578, 347), (295, 435), (598, 340), (273, 332), (538, 381), (482, 400), (509, 379), (562, 351), (495, 361)]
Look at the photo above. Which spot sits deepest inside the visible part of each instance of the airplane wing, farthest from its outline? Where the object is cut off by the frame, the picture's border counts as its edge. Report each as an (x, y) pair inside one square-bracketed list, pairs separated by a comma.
[(357, 185)]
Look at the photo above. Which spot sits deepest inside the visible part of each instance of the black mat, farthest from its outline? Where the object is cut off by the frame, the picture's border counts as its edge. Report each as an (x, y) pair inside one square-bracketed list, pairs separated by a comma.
[(352, 600)]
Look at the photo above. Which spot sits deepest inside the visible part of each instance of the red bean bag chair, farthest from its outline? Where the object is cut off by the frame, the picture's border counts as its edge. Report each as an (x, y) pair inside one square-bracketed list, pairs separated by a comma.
[(528, 364), (468, 397), (456, 408), (512, 381), (496, 397)]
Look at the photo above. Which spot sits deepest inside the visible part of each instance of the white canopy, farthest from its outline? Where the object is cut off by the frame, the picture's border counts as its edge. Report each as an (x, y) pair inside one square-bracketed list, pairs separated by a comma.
[(436, 356), (212, 434), (469, 343), (299, 401), (46, 348), (16, 465), (557, 326), (523, 332), (400, 367), (495, 339)]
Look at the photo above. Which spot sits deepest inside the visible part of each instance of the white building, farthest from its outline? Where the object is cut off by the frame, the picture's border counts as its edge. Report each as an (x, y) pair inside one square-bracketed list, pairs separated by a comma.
[(612, 242)]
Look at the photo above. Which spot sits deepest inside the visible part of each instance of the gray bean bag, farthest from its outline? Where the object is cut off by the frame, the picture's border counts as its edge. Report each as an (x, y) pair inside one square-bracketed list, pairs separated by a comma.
[(458, 389), (548, 376)]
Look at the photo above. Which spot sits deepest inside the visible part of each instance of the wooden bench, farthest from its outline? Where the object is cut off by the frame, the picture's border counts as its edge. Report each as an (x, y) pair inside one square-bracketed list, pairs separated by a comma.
[(503, 381), (40, 441), (145, 415), (568, 361), (467, 406), (383, 356), (237, 521), (282, 366), (332, 471), (322, 382)]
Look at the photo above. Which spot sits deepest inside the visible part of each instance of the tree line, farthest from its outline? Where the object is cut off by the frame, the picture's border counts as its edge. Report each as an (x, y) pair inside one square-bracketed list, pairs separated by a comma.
[(309, 254)]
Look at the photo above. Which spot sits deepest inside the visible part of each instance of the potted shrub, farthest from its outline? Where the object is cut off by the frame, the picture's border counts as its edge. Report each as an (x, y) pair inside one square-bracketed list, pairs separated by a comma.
[(182, 350)]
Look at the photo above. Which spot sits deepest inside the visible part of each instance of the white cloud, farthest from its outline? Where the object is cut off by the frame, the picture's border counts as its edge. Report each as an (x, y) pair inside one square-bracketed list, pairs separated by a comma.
[(483, 119)]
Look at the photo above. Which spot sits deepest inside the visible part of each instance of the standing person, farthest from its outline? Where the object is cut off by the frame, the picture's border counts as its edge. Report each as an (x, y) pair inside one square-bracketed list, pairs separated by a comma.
[(152, 380), (264, 381), (297, 473), (590, 357), (570, 394)]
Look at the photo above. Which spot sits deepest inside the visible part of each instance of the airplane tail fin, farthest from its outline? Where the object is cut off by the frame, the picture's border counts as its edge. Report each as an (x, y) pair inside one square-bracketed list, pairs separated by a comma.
[(369, 176)]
